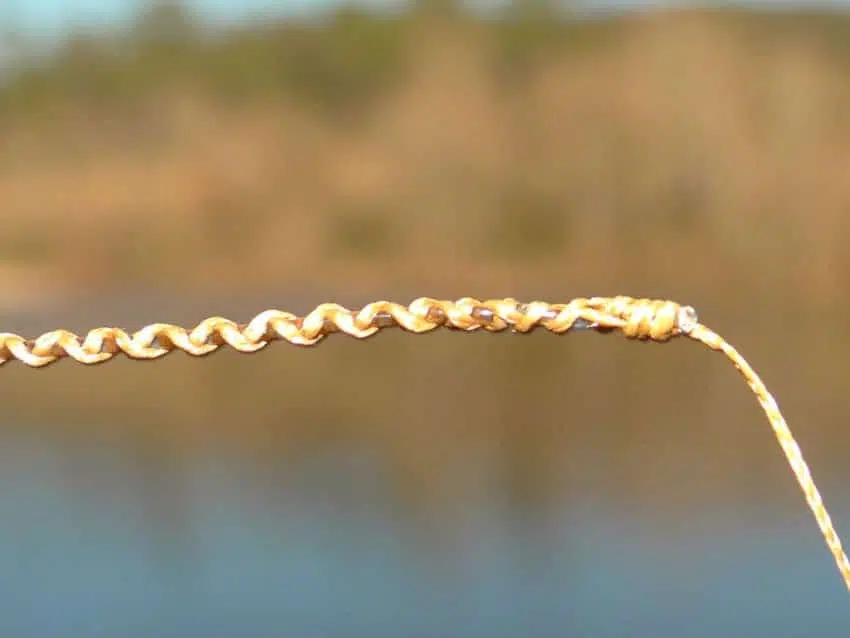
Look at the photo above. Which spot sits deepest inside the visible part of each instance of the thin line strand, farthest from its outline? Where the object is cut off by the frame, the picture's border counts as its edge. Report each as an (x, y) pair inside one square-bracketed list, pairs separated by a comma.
[(786, 440), (642, 319)]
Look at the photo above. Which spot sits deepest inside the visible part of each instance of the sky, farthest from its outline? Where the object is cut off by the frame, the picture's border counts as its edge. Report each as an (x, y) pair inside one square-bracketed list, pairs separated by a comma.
[(51, 19)]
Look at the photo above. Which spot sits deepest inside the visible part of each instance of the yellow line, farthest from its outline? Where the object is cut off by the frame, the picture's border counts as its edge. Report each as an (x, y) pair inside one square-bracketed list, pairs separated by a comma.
[(643, 319)]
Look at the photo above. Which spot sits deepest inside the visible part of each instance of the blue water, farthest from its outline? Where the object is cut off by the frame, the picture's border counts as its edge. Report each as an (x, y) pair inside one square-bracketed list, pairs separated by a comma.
[(95, 543)]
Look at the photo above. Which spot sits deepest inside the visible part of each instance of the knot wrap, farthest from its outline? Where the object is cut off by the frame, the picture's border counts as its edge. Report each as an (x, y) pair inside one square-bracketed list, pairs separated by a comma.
[(650, 319)]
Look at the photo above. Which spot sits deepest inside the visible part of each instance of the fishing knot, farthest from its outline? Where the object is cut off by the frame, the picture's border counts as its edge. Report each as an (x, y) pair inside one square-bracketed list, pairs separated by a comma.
[(652, 319)]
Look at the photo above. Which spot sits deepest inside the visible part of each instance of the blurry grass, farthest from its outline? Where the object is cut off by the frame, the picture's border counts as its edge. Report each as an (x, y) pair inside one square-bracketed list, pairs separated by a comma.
[(140, 254), (224, 151), (528, 225), (27, 245), (364, 233)]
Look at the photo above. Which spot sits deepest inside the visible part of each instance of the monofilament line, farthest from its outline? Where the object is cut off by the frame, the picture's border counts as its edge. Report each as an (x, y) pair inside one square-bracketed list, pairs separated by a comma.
[(643, 319)]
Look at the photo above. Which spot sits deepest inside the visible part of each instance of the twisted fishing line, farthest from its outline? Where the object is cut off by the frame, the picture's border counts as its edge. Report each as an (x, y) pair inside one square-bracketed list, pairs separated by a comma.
[(642, 319)]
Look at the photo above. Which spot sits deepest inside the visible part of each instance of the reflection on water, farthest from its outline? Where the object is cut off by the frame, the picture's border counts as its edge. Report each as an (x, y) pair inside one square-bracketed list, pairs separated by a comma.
[(442, 485), (320, 548)]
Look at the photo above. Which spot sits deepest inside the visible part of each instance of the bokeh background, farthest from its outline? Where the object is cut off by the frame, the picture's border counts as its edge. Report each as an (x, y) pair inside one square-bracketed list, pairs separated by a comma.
[(167, 162)]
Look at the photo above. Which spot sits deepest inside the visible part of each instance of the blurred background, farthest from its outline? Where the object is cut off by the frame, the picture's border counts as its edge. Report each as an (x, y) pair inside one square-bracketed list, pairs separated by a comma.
[(170, 161)]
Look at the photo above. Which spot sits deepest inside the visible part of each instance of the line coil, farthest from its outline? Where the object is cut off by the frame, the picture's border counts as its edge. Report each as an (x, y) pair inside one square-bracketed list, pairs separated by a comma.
[(641, 319)]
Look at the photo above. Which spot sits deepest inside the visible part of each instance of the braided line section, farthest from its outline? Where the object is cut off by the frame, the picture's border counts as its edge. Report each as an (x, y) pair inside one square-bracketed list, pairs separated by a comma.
[(637, 318), (641, 319)]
